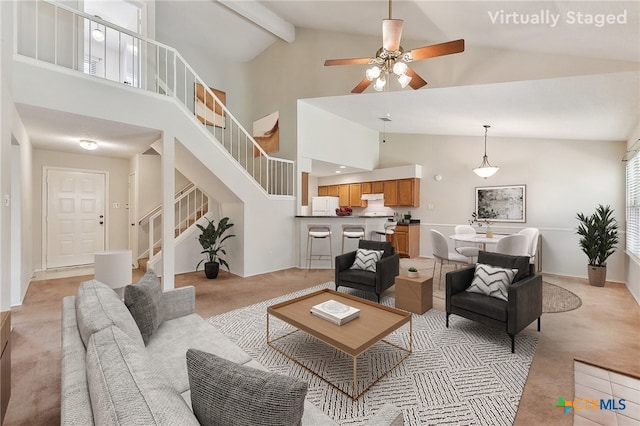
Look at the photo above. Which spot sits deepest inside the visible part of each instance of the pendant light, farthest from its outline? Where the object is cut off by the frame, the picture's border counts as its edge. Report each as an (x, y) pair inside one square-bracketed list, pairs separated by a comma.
[(485, 169)]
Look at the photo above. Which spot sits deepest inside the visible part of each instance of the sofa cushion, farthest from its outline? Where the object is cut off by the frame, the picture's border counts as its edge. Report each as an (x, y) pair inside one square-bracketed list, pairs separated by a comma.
[(144, 300), (98, 307), (521, 263), (226, 394), (492, 281), (482, 305), (127, 387), (170, 342), (366, 260)]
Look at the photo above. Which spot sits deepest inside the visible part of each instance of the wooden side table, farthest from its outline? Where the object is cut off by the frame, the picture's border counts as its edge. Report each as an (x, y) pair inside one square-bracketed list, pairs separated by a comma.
[(414, 294)]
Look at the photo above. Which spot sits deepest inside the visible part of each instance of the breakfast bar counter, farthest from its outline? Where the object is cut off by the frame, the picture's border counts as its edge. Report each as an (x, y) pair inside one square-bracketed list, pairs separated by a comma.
[(321, 245)]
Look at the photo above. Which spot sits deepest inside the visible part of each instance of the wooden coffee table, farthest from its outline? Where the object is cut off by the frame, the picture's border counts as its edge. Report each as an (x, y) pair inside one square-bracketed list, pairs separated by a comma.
[(353, 338)]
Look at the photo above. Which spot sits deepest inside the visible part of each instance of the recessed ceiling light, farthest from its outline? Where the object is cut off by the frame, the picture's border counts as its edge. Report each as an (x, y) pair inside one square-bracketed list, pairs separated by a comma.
[(338, 171), (88, 145), (343, 167)]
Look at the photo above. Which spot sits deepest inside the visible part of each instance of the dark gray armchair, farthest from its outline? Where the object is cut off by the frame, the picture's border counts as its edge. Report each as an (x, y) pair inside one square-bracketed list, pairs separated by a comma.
[(524, 304), (387, 268)]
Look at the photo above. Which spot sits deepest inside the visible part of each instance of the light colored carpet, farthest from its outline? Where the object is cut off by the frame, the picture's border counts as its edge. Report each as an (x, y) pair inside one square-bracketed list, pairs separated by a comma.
[(462, 375)]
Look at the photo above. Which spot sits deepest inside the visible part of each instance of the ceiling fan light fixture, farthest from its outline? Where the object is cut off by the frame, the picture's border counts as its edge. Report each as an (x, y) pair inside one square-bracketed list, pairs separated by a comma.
[(404, 80), (485, 170), (372, 73), (400, 68), (379, 84)]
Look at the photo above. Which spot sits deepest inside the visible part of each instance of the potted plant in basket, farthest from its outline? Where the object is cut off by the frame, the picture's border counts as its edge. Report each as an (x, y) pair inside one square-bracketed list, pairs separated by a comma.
[(598, 238), (211, 239)]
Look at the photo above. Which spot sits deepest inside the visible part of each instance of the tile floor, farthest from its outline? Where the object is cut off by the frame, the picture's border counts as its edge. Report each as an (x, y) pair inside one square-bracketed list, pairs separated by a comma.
[(596, 383)]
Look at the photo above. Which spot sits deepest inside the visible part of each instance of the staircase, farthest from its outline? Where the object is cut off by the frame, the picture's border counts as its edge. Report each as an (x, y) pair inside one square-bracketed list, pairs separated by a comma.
[(54, 70), (62, 40), (190, 205)]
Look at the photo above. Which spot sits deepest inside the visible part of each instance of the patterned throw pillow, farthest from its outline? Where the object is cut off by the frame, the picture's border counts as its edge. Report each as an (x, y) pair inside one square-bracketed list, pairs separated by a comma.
[(367, 259), (492, 281), (224, 393)]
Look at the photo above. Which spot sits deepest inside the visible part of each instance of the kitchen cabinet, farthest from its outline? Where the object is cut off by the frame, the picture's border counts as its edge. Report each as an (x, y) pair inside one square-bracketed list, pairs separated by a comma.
[(390, 190), (377, 187), (409, 192), (366, 188), (334, 191), (343, 193), (355, 194), (323, 191), (408, 239)]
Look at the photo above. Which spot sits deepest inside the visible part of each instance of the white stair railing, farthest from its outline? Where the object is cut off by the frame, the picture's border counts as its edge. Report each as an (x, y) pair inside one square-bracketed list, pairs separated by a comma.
[(57, 34), (189, 206)]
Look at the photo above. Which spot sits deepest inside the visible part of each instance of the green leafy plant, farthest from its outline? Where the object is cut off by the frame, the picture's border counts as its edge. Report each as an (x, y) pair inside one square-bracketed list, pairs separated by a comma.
[(212, 238), (412, 269), (598, 235)]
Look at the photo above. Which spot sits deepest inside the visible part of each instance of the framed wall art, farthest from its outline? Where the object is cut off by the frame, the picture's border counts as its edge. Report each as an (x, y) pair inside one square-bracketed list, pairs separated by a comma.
[(501, 203), (266, 132), (205, 110)]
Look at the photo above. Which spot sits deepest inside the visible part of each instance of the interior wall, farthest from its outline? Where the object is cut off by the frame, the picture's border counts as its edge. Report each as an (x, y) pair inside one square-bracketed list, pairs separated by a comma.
[(6, 108), (117, 218), (562, 178)]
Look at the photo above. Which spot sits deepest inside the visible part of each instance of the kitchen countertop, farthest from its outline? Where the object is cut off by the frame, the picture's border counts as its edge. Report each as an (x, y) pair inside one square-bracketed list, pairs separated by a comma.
[(346, 217)]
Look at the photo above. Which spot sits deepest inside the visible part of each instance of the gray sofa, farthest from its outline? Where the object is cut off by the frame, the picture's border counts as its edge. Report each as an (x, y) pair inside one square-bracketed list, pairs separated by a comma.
[(94, 381)]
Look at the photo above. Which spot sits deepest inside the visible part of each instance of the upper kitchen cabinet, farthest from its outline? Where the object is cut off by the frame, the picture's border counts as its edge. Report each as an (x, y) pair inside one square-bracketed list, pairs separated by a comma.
[(323, 191), (408, 192), (366, 188), (355, 194), (390, 191), (377, 187), (343, 193)]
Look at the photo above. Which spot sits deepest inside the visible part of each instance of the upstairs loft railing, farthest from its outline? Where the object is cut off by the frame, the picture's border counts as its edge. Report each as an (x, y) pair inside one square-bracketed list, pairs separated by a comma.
[(190, 205), (54, 33)]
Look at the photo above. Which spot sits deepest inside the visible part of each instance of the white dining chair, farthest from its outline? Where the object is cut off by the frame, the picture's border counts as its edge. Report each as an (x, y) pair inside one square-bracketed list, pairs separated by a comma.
[(533, 234), (442, 254), (515, 245), (468, 249)]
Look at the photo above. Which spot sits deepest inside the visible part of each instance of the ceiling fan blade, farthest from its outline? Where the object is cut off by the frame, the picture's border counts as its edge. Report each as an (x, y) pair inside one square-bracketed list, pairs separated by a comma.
[(361, 86), (441, 49), (391, 34), (416, 81), (350, 61)]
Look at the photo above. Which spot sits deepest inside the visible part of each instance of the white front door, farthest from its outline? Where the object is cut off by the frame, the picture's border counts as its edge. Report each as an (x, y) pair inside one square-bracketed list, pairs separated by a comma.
[(75, 217)]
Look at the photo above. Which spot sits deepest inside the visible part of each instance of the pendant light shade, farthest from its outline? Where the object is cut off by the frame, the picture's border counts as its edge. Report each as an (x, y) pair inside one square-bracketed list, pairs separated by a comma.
[(485, 170)]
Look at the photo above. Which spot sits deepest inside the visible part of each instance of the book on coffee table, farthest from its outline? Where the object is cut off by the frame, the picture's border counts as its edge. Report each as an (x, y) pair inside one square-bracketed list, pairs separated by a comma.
[(336, 312)]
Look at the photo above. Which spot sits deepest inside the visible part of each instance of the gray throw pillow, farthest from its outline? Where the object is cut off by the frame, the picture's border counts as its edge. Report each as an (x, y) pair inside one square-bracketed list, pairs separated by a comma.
[(144, 300), (366, 260), (98, 307), (492, 281), (128, 387), (227, 394)]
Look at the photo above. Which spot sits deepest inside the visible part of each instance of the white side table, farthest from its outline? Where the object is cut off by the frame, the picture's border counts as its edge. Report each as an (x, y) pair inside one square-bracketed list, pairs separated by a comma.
[(113, 268)]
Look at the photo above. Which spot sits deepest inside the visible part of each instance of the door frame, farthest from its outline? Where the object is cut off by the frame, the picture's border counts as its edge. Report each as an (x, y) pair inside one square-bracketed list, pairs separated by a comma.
[(45, 206)]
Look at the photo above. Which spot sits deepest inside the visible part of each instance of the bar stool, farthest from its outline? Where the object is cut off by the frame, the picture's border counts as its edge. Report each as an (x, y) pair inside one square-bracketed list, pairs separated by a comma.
[(389, 229), (318, 232), (352, 231)]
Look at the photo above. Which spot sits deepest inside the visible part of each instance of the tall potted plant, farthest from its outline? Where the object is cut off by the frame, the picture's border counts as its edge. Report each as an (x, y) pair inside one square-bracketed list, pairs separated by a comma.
[(598, 238), (211, 239)]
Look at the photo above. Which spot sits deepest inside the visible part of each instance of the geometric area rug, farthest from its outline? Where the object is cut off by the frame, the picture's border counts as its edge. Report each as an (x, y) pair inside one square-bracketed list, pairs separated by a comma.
[(463, 375)]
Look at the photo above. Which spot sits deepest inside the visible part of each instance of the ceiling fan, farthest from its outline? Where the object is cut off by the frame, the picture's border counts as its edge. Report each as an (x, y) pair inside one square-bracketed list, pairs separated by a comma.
[(391, 58)]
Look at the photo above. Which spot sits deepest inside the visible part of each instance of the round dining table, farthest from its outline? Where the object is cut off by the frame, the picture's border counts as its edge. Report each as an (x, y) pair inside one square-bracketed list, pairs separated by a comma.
[(477, 238)]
